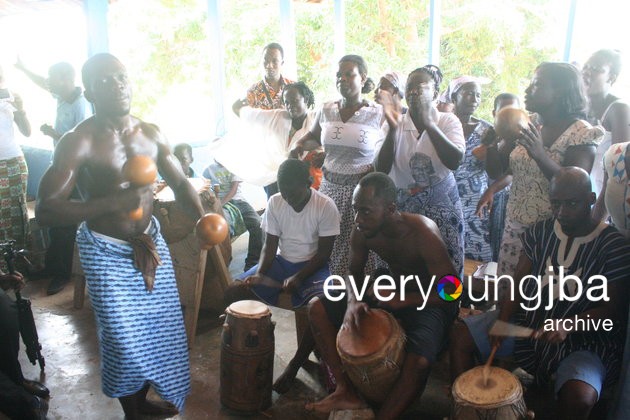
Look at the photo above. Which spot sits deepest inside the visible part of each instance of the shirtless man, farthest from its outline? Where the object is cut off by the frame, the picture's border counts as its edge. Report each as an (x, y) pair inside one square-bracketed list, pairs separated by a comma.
[(411, 244), (140, 325)]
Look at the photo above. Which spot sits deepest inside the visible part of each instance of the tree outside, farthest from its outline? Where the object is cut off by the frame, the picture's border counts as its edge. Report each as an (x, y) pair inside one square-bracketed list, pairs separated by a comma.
[(165, 45)]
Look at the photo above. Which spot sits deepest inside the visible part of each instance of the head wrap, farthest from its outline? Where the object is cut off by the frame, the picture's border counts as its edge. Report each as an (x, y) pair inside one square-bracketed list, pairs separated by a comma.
[(398, 81), (456, 84)]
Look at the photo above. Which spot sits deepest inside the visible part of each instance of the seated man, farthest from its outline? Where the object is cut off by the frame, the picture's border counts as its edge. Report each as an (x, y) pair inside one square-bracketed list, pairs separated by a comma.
[(232, 200), (301, 223), (582, 360), (183, 153), (19, 398), (411, 244)]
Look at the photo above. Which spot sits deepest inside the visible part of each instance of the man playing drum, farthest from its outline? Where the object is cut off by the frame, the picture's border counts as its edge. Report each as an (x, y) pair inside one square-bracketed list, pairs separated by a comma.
[(582, 360), (301, 223), (412, 246), (127, 264)]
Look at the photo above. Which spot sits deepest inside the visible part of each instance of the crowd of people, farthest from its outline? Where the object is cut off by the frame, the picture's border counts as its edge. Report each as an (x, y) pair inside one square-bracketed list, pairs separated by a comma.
[(355, 187)]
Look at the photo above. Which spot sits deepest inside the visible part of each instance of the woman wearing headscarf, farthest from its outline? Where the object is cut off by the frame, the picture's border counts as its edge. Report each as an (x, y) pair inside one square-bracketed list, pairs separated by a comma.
[(13, 169), (563, 138), (394, 83), (422, 149), (471, 177), (350, 130)]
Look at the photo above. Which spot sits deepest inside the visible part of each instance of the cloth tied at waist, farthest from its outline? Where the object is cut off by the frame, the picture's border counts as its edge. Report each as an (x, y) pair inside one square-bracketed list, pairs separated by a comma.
[(145, 258)]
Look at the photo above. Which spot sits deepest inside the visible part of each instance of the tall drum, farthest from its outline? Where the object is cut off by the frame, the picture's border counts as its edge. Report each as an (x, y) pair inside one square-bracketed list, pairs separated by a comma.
[(373, 356), (247, 352), (500, 399)]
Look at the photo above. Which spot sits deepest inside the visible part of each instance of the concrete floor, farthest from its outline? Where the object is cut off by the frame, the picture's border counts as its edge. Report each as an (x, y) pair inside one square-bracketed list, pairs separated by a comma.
[(68, 338)]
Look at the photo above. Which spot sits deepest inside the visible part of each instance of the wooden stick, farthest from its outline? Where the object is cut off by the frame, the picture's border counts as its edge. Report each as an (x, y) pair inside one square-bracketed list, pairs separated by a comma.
[(486, 367)]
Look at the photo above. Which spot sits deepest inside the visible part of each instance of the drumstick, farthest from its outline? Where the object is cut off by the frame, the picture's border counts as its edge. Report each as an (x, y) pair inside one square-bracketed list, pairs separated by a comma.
[(486, 367)]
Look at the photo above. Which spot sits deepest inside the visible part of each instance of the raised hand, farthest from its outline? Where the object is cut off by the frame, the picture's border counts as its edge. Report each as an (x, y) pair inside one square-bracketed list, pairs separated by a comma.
[(532, 141), (392, 107)]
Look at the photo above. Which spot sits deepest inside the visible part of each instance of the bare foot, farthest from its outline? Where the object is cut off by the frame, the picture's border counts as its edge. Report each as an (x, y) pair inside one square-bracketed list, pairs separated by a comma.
[(284, 381), (337, 401), (157, 408)]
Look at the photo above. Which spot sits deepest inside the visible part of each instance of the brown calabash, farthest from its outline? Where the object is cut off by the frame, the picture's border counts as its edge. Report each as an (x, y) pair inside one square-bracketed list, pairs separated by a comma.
[(509, 122), (211, 229)]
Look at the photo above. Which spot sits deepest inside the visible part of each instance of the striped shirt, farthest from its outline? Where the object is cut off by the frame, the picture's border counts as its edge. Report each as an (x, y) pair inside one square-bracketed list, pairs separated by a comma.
[(602, 252)]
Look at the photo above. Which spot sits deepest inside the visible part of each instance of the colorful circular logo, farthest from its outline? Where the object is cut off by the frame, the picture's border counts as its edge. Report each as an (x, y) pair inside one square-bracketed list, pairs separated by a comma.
[(448, 281)]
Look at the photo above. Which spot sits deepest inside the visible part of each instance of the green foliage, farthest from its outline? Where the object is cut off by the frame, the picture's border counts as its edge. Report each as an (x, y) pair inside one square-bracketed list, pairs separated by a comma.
[(247, 26), (164, 43), (495, 40), (389, 34), (314, 48)]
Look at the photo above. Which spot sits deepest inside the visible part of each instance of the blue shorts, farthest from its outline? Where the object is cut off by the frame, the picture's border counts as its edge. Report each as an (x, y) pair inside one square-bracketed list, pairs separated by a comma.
[(582, 365), (279, 271)]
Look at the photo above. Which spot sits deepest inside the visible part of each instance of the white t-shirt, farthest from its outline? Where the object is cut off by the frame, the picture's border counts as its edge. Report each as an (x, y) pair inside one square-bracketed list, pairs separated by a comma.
[(416, 162), (299, 232), (9, 148)]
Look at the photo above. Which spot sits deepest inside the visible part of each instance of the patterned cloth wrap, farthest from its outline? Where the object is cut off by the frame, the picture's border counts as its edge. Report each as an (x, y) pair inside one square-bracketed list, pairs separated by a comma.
[(141, 333), (440, 203), (13, 212)]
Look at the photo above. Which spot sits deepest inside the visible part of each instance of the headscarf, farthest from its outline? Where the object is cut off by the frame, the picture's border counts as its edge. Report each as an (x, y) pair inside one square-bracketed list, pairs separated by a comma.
[(398, 81), (456, 84)]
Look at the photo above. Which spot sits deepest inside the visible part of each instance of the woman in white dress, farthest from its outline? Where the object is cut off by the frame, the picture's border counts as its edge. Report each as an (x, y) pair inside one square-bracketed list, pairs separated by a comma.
[(350, 130)]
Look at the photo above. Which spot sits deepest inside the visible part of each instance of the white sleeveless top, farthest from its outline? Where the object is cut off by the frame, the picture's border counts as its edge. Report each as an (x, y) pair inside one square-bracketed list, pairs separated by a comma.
[(9, 148), (351, 146)]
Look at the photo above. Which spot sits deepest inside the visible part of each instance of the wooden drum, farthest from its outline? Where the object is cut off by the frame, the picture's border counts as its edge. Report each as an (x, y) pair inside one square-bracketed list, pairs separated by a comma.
[(247, 352), (501, 399), (373, 358)]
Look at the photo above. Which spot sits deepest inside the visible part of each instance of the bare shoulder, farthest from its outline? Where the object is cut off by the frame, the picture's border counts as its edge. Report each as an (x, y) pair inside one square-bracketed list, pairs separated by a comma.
[(78, 140), (149, 129), (153, 133), (420, 225)]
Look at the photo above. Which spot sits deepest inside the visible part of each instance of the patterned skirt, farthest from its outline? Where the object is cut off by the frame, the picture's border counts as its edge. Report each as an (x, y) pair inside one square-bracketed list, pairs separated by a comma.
[(141, 334), (13, 213), (340, 188), (441, 204), (511, 246), (476, 232), (496, 221)]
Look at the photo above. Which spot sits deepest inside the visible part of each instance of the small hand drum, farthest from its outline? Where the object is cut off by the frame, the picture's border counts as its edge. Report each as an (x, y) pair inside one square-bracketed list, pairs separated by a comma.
[(501, 398)]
